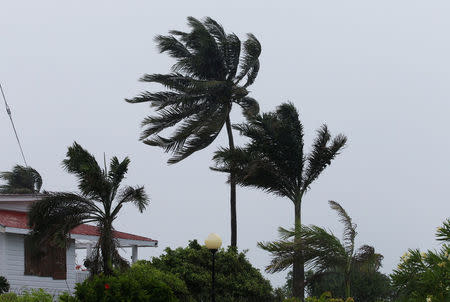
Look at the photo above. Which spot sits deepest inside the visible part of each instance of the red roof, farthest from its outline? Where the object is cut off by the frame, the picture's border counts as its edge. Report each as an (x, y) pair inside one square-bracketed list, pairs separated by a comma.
[(19, 220)]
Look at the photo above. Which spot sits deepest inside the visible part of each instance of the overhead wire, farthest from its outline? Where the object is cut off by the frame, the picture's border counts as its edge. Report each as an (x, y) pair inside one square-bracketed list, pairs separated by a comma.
[(8, 110)]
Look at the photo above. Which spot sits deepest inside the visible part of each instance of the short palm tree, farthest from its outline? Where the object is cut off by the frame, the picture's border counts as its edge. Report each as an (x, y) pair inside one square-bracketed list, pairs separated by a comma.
[(323, 252), (274, 161), (99, 201), (212, 73), (21, 180)]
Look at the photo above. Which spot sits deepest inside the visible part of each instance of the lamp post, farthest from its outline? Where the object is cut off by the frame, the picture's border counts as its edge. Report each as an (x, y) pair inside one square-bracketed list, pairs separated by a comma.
[(213, 243)]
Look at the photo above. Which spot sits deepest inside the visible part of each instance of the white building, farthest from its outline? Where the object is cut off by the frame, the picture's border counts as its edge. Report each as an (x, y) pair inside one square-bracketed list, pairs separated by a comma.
[(57, 272)]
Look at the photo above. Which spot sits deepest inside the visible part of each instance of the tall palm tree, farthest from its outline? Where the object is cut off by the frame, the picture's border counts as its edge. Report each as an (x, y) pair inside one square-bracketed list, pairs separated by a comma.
[(274, 161), (210, 76), (323, 252), (21, 180), (99, 201)]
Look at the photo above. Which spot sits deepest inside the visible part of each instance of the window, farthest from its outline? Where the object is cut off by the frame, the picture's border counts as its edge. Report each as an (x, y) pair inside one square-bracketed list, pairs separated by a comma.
[(47, 261)]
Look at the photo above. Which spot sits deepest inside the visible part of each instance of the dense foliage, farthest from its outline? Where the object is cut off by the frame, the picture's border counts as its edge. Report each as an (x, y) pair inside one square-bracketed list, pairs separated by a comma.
[(211, 74), (422, 275), (135, 285), (366, 286), (274, 161), (99, 201), (4, 285), (235, 276), (21, 180)]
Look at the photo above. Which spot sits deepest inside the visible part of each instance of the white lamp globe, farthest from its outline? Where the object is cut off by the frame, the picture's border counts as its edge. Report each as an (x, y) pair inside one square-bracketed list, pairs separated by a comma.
[(213, 242)]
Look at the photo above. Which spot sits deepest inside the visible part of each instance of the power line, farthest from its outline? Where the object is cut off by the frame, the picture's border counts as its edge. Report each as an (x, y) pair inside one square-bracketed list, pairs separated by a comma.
[(8, 110)]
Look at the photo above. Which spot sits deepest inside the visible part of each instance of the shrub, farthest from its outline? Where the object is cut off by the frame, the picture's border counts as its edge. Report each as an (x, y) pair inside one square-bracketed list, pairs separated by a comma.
[(124, 287), (326, 297), (236, 278), (4, 285)]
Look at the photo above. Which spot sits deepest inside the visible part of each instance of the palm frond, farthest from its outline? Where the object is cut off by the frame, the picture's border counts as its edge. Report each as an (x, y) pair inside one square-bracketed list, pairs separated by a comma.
[(250, 107), (21, 180), (91, 178), (117, 171), (321, 155), (365, 259), (250, 62), (136, 195), (349, 226), (52, 217)]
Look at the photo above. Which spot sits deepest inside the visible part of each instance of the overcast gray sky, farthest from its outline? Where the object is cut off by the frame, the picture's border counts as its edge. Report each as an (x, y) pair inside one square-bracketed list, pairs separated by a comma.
[(377, 71)]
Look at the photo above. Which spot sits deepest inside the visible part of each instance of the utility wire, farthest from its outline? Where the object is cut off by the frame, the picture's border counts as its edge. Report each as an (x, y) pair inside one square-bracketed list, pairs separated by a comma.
[(8, 110)]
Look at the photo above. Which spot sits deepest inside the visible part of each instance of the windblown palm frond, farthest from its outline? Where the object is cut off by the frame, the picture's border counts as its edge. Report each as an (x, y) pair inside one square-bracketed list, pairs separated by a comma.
[(99, 202), (202, 88), (21, 180), (349, 227)]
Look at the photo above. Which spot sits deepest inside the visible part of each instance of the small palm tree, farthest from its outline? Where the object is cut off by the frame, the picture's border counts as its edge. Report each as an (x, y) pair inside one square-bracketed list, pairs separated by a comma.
[(21, 180), (323, 252), (210, 75), (99, 201), (274, 161)]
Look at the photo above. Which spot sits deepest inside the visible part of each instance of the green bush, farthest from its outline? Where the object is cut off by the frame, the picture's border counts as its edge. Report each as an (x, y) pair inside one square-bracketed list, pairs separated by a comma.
[(129, 286), (236, 278), (4, 285), (327, 297)]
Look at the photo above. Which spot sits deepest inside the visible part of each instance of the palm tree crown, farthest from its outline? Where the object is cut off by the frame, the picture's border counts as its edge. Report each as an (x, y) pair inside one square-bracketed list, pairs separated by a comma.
[(21, 180), (274, 159), (207, 79), (99, 201)]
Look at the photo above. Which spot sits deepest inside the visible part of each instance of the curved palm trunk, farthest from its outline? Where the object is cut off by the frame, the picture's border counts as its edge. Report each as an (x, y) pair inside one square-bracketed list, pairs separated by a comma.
[(298, 270), (232, 187)]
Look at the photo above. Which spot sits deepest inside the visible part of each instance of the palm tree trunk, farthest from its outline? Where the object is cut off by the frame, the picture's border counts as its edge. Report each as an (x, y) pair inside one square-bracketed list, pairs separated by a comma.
[(232, 187), (298, 270), (106, 247), (347, 286)]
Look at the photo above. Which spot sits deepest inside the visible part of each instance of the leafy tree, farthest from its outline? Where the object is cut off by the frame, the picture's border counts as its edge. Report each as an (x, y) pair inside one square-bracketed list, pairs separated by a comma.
[(21, 180), (236, 278), (210, 76), (100, 201), (274, 161), (425, 276)]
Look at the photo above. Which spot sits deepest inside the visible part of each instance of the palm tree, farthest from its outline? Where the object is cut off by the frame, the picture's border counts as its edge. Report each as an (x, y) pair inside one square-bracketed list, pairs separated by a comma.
[(21, 180), (209, 76), (324, 252), (99, 201), (275, 162)]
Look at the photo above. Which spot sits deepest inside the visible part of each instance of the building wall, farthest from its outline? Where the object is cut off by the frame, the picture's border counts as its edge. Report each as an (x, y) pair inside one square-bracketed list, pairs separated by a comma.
[(14, 266)]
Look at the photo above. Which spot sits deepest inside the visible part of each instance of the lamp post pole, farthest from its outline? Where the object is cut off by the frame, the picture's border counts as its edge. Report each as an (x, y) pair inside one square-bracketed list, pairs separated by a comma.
[(213, 276), (213, 243)]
